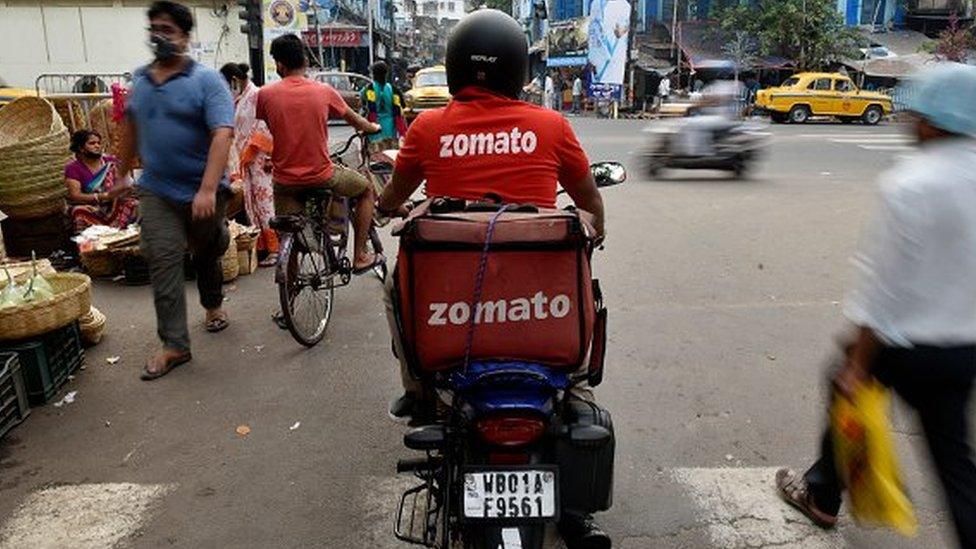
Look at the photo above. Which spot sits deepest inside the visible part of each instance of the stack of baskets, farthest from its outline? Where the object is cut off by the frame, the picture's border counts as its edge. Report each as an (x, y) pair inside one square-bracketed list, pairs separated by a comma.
[(33, 151)]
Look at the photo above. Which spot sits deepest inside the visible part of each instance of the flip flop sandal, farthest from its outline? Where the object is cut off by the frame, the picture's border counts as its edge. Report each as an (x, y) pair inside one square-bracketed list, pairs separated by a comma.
[(269, 261), (793, 489), (376, 263), (215, 325), (171, 363)]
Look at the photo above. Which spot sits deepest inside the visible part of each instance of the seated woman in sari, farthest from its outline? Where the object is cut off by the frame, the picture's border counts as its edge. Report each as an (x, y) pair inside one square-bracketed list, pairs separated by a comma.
[(94, 195)]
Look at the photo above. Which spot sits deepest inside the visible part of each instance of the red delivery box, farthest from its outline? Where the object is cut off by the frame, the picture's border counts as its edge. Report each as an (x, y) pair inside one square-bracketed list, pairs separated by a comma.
[(536, 302)]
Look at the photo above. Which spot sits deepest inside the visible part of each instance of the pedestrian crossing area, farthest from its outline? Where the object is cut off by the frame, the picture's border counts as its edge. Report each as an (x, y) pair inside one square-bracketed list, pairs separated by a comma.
[(734, 507), (883, 142)]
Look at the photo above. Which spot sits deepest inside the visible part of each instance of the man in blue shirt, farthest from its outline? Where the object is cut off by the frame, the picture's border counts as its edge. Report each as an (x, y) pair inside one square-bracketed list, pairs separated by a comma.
[(179, 117)]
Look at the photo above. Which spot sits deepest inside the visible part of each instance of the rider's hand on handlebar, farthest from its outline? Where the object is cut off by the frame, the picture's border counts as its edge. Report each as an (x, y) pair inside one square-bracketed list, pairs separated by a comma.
[(373, 128)]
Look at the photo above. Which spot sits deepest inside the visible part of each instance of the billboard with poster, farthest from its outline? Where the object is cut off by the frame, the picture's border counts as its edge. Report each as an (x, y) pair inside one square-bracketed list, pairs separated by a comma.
[(568, 44), (608, 38), (280, 17)]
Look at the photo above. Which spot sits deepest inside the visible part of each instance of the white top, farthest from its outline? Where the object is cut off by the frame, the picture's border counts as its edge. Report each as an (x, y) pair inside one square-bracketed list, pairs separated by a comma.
[(549, 84), (664, 88), (917, 264), (577, 86)]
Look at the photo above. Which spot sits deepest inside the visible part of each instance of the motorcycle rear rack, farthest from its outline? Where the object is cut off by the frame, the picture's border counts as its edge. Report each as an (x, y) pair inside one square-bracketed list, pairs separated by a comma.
[(421, 496)]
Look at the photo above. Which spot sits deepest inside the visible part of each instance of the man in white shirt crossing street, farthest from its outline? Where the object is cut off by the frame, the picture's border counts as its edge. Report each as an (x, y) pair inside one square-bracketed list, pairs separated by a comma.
[(914, 308)]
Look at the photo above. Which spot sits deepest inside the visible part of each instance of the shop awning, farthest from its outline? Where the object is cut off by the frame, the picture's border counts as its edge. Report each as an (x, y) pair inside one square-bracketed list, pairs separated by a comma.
[(702, 45), (892, 67)]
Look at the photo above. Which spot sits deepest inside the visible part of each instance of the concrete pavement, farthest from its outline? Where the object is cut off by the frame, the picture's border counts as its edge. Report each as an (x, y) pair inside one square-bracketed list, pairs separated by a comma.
[(723, 301)]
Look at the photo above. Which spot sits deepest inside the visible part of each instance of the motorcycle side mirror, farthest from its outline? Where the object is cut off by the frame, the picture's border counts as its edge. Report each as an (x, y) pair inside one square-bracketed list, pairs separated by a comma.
[(588, 435), (608, 174)]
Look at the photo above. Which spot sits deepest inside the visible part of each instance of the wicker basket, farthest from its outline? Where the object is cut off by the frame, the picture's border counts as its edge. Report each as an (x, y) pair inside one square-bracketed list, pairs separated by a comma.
[(72, 113), (100, 263), (229, 264), (71, 301), (92, 327), (246, 242), (100, 120), (28, 118), (33, 151)]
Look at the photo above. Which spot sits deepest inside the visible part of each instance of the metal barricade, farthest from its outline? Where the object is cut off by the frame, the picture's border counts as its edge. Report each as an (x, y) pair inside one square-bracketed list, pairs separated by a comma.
[(79, 83), (77, 98)]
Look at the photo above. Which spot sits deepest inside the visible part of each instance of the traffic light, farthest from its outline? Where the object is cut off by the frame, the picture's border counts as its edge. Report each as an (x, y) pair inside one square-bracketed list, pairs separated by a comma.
[(250, 15), (252, 20)]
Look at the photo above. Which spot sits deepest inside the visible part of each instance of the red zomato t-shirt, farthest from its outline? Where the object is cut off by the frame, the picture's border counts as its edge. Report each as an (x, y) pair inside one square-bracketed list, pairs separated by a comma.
[(482, 143), (297, 111)]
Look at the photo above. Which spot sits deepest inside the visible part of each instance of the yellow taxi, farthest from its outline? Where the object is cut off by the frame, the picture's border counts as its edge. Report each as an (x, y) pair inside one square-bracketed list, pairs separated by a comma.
[(822, 94), (429, 91), (8, 94)]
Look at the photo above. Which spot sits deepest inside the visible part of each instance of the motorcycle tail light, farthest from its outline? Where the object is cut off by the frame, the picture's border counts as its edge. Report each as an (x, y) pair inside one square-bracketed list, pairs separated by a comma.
[(510, 430)]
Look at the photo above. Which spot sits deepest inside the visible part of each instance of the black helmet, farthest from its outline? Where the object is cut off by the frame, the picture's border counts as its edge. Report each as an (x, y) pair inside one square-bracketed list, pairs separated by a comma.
[(488, 49)]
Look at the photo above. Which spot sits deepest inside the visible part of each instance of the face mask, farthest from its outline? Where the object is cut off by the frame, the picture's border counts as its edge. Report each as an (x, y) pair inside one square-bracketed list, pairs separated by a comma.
[(92, 155), (162, 48)]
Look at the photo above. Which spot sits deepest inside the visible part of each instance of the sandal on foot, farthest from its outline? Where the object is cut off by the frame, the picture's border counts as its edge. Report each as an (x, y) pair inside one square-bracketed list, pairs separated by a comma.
[(269, 261), (793, 489), (217, 324), (377, 261), (170, 362)]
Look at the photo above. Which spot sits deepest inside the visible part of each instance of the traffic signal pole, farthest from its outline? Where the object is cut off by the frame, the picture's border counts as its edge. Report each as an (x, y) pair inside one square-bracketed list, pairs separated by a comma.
[(252, 22)]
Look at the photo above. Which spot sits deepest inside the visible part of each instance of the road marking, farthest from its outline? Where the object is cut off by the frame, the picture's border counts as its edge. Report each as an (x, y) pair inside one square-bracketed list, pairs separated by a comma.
[(852, 135), (740, 507), (865, 140), (511, 539), (82, 516), (886, 147)]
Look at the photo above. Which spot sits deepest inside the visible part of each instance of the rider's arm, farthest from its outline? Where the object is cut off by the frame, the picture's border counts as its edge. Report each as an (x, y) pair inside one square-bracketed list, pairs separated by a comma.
[(400, 189), (587, 197), (409, 173), (575, 176), (360, 123)]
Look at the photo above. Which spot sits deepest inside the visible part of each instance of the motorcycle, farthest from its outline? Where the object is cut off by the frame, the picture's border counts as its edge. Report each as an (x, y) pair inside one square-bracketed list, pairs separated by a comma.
[(507, 446), (704, 143)]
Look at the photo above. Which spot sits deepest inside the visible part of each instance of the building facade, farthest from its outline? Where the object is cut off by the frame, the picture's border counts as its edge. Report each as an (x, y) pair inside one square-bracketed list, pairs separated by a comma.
[(102, 36)]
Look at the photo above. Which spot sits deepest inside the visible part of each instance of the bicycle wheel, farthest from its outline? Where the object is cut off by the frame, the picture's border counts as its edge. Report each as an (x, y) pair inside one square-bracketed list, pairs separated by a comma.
[(306, 293)]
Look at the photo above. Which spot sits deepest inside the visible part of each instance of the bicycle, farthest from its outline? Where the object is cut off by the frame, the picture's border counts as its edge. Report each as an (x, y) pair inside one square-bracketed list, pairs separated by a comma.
[(312, 258)]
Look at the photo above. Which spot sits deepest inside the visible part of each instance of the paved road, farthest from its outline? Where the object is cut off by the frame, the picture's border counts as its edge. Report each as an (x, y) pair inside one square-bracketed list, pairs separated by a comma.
[(724, 300)]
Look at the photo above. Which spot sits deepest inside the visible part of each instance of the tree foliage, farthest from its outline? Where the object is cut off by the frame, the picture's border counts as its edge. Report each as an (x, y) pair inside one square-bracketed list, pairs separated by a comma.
[(955, 41), (809, 32)]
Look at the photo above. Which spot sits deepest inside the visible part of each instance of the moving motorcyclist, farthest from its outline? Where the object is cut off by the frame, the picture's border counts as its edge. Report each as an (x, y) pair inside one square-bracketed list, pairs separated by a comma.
[(488, 143), (716, 112)]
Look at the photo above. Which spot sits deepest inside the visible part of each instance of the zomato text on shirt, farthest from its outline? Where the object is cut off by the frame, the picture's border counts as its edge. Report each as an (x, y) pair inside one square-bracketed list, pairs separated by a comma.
[(513, 141)]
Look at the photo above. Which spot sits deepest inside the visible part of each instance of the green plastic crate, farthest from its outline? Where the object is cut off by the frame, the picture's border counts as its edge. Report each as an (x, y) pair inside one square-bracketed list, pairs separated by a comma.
[(13, 393), (47, 361)]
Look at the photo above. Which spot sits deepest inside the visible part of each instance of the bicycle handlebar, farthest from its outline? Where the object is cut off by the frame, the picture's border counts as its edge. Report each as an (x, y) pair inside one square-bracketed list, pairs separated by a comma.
[(348, 144)]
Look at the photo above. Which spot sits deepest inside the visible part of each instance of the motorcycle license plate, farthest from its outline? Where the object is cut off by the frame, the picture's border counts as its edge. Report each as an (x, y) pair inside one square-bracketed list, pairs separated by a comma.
[(510, 493)]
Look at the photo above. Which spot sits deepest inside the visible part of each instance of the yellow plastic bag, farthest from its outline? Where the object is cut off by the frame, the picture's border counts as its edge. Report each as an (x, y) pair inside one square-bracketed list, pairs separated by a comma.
[(865, 456)]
